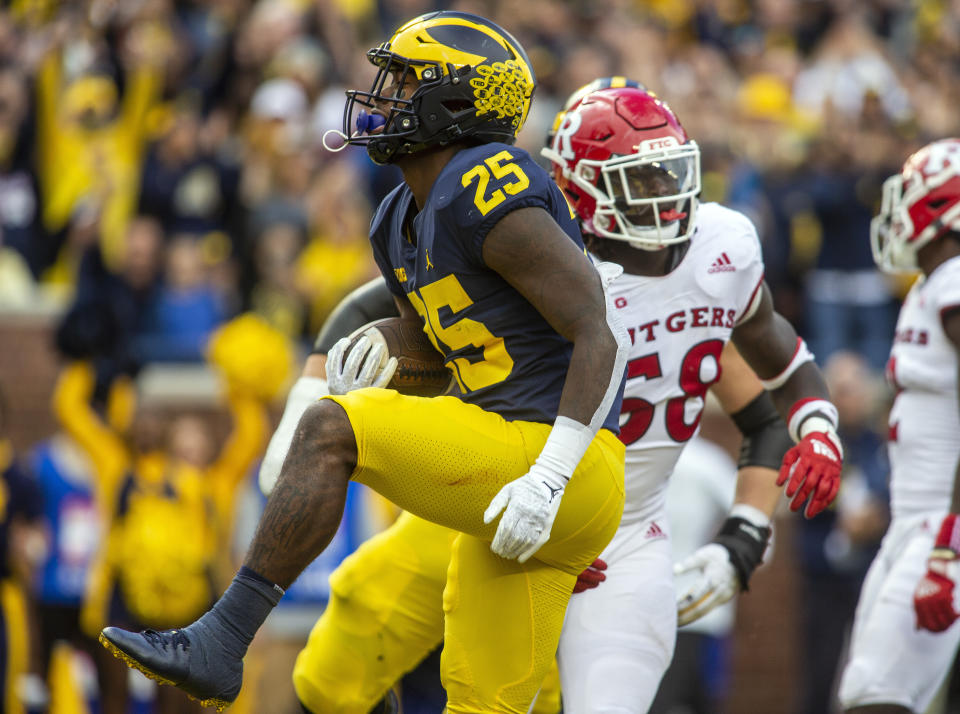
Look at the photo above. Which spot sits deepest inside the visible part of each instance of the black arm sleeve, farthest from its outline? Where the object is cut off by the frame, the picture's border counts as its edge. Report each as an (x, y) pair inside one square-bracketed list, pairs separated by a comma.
[(371, 301), (765, 435)]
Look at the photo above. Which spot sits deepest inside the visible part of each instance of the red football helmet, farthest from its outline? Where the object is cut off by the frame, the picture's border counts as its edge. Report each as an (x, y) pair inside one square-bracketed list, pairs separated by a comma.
[(919, 205), (627, 167)]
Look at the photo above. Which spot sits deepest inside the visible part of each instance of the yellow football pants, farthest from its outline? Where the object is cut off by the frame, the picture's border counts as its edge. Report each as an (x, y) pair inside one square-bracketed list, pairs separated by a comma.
[(444, 460)]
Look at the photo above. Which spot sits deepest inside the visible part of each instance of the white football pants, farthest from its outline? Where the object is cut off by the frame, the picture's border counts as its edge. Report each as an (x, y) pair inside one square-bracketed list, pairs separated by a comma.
[(891, 661), (618, 638)]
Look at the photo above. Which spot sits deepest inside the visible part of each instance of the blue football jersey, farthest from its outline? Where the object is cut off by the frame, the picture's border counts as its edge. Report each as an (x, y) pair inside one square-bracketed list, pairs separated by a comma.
[(504, 355)]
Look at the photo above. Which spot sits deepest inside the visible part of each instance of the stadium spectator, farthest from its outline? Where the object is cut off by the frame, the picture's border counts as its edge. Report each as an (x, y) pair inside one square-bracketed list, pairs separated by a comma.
[(91, 139), (110, 309), (185, 310), (73, 523), (337, 258), (166, 499), (20, 201), (185, 184), (849, 304), (279, 240)]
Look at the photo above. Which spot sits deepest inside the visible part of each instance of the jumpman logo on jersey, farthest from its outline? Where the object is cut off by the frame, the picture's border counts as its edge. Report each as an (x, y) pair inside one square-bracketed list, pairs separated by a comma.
[(429, 264)]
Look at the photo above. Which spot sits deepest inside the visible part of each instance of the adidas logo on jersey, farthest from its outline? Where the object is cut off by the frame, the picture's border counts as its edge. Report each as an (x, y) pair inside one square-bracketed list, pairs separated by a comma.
[(654, 531), (722, 265)]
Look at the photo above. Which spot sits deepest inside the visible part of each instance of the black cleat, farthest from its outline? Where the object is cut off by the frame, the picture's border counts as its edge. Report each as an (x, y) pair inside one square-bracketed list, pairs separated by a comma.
[(179, 657)]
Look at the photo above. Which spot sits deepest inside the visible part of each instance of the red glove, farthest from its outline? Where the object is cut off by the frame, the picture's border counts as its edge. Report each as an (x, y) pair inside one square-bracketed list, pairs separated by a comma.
[(933, 600), (813, 466), (591, 577)]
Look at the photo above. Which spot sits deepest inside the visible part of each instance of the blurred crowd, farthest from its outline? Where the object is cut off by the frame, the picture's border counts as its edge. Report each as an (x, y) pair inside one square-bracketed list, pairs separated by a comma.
[(162, 172), (172, 149)]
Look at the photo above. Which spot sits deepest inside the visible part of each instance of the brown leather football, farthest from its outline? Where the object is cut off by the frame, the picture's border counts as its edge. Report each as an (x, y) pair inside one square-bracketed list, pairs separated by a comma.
[(420, 369)]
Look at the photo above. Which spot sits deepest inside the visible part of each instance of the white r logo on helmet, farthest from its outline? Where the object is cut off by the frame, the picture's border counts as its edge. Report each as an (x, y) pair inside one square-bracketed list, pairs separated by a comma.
[(568, 127)]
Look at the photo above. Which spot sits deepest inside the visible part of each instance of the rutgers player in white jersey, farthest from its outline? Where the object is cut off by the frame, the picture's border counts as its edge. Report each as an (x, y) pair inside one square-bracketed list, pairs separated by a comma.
[(693, 280), (904, 637)]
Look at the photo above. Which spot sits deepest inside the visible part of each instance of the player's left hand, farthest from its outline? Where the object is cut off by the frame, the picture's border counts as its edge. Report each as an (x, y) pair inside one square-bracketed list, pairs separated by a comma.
[(360, 367), (812, 468), (934, 600), (716, 582), (529, 504), (724, 566)]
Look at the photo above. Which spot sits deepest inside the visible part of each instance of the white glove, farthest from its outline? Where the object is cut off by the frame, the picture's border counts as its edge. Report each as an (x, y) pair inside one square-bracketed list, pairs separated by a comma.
[(363, 367), (716, 582), (531, 503)]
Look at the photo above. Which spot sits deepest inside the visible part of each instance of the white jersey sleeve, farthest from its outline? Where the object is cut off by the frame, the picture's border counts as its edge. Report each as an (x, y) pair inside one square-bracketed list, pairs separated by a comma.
[(741, 247), (946, 294)]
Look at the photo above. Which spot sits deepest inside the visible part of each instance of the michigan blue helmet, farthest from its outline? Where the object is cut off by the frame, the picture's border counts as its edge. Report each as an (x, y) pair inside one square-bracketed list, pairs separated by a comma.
[(473, 81)]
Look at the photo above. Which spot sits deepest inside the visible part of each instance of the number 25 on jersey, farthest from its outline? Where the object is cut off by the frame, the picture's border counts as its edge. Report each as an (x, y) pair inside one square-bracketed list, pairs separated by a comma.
[(494, 165), (496, 363)]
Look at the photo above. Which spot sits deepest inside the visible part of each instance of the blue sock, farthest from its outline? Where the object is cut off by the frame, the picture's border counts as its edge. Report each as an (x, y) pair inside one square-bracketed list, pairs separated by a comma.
[(238, 614)]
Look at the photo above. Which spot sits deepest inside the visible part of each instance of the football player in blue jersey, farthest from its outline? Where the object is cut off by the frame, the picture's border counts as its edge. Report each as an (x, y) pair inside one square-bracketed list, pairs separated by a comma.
[(523, 461), (617, 640)]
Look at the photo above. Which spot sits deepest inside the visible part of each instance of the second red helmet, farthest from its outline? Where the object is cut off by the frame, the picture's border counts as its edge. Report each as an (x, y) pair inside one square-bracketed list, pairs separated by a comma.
[(627, 167)]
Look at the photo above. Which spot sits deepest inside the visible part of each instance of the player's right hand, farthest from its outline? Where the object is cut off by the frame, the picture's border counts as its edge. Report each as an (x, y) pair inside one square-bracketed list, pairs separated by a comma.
[(934, 600), (360, 367), (529, 504)]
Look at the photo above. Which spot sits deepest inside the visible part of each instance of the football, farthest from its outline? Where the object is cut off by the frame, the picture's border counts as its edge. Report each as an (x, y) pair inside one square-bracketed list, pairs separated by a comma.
[(420, 368)]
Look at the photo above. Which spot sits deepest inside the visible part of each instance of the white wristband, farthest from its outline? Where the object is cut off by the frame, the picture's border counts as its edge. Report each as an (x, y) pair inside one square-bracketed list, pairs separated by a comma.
[(751, 514), (824, 426), (566, 445), (305, 391), (807, 409)]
